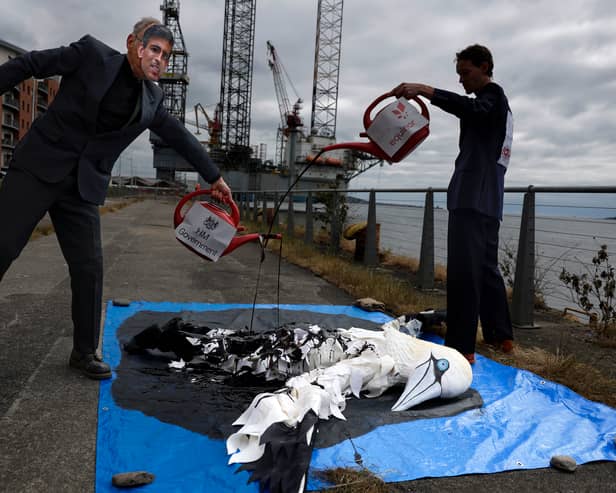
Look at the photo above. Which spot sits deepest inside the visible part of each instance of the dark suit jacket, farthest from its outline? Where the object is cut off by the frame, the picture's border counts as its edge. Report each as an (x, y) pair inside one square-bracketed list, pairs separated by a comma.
[(65, 136), (478, 180)]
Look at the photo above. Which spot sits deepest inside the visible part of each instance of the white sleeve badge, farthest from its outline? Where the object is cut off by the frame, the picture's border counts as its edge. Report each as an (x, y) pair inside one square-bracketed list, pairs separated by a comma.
[(505, 154)]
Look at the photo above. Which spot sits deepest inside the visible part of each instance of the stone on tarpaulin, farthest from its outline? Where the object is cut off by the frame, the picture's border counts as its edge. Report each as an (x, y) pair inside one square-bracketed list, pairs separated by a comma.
[(121, 302), (563, 462), (132, 479)]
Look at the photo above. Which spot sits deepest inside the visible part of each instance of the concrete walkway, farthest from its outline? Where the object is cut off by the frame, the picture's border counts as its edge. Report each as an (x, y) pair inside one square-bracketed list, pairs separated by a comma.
[(48, 413)]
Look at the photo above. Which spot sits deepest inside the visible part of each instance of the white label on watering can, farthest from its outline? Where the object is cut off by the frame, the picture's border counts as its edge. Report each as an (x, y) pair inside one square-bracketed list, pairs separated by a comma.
[(205, 232), (394, 125)]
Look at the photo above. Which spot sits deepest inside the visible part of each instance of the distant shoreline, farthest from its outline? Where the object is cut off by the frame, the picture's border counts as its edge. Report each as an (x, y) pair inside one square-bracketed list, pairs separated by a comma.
[(357, 200)]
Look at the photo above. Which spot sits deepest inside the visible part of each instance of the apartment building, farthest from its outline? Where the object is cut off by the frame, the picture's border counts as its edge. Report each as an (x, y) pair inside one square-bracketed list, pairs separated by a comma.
[(21, 105)]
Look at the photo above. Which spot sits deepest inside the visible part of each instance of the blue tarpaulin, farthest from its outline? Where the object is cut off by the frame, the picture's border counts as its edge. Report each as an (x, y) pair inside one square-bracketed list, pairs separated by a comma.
[(524, 421)]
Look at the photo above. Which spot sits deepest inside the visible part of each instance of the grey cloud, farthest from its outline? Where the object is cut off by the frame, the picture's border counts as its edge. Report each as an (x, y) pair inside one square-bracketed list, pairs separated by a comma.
[(556, 61)]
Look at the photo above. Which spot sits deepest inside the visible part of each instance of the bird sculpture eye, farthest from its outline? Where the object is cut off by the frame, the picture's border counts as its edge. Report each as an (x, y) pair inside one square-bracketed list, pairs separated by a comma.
[(442, 364)]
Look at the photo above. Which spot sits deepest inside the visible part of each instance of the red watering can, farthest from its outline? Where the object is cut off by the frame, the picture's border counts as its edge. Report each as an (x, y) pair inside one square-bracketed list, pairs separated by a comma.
[(396, 130), (209, 230)]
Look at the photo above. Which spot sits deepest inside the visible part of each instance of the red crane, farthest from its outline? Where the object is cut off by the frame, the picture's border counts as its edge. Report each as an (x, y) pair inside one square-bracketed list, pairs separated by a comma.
[(289, 117)]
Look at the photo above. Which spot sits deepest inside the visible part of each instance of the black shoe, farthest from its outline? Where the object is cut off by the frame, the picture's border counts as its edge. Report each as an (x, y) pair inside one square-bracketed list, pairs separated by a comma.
[(90, 365)]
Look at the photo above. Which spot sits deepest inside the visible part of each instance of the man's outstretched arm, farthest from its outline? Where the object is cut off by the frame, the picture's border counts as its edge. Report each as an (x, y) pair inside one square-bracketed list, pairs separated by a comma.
[(450, 102), (42, 64), (186, 145)]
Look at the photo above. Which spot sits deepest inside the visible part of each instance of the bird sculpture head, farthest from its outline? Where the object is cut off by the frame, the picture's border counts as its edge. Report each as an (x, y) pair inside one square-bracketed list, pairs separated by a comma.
[(441, 372)]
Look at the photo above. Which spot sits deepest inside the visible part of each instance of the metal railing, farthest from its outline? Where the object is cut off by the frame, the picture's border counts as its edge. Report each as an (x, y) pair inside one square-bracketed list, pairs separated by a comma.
[(413, 223)]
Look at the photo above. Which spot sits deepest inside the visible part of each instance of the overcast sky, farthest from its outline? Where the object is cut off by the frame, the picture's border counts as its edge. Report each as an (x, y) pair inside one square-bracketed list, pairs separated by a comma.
[(556, 61)]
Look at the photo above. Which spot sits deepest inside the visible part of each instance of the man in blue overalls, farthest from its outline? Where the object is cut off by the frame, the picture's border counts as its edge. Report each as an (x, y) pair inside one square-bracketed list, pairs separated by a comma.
[(475, 287)]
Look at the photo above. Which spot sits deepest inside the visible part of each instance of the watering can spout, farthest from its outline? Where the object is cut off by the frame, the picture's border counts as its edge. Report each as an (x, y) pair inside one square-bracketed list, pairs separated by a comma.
[(366, 147), (238, 241)]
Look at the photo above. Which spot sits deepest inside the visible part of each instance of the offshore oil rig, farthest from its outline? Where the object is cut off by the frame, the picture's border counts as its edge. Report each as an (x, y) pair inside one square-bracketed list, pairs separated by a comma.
[(245, 167)]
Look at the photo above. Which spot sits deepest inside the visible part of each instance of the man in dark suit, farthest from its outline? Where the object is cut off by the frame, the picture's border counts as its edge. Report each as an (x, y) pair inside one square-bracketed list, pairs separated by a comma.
[(63, 164), (475, 287)]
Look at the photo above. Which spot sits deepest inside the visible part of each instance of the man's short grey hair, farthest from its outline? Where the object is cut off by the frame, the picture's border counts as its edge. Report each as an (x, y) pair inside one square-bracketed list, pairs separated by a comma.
[(144, 22)]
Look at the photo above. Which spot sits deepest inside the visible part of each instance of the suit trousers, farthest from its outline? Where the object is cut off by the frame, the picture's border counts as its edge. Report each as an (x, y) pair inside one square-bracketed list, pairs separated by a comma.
[(24, 200), (475, 287)]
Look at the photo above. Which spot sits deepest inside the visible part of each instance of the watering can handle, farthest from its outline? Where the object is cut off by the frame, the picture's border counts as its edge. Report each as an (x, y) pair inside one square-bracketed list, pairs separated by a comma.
[(178, 218), (368, 120)]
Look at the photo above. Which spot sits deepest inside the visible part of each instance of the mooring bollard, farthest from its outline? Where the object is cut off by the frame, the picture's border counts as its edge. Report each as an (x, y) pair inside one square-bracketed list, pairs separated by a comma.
[(523, 300), (425, 274), (371, 255)]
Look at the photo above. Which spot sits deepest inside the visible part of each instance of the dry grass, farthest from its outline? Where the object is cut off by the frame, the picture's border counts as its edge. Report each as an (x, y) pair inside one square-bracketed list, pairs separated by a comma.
[(609, 341), (116, 206), (357, 280), (348, 480), (45, 228), (392, 261)]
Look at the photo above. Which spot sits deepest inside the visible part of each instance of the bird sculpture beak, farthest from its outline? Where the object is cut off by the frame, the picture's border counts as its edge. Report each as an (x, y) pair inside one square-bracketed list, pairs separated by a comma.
[(423, 384)]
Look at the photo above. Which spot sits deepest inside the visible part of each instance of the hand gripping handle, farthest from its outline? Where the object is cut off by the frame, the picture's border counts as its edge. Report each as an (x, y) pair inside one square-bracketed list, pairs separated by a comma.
[(368, 120), (235, 212)]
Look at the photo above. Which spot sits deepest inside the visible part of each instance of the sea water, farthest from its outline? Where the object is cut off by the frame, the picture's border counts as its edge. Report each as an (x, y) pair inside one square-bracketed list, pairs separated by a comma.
[(569, 230)]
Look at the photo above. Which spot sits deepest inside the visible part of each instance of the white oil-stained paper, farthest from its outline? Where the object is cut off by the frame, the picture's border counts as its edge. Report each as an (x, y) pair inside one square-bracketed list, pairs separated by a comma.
[(205, 232), (394, 125)]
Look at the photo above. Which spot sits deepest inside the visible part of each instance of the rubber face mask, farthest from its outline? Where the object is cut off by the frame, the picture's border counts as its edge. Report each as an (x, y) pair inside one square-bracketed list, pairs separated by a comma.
[(154, 58)]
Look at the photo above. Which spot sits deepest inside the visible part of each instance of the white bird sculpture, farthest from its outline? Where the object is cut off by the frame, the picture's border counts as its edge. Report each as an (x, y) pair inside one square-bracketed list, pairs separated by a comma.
[(372, 362), (277, 430)]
